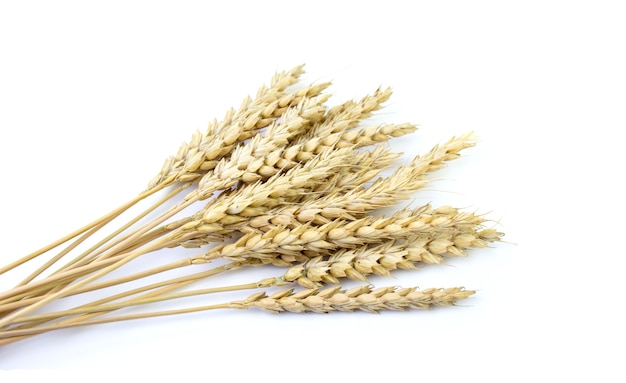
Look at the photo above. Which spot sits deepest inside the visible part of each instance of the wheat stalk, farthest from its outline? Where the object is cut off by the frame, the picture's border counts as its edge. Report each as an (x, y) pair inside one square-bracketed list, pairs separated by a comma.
[(285, 180), (362, 298)]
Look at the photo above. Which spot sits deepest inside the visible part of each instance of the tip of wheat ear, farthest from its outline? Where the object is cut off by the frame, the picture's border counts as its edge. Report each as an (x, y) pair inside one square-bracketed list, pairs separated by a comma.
[(363, 298)]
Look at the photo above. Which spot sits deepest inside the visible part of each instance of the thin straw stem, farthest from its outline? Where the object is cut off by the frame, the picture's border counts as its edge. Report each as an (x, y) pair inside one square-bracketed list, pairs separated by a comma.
[(91, 252), (7, 320), (145, 300), (104, 284), (38, 330), (60, 255), (113, 251), (165, 287), (105, 218)]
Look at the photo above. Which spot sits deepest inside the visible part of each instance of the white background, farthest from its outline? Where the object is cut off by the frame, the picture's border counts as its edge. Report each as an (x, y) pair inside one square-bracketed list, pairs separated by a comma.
[(93, 98)]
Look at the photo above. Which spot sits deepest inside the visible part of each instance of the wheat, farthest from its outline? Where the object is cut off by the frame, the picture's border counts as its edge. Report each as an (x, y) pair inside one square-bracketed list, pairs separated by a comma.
[(355, 170), (284, 180), (384, 192), (247, 160), (336, 234), (362, 298), (250, 204), (381, 259), (329, 132), (346, 116), (207, 146)]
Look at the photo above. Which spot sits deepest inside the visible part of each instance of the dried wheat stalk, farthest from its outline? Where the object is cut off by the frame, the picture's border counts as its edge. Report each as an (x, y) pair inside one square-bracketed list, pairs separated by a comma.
[(362, 298), (287, 178)]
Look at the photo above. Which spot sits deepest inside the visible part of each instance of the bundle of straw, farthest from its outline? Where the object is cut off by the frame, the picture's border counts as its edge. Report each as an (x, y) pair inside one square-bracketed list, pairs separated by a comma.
[(284, 181)]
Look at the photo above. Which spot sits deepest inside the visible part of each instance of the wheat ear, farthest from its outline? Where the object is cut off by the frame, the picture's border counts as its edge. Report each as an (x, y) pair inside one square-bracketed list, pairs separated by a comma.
[(219, 138), (381, 259), (362, 298)]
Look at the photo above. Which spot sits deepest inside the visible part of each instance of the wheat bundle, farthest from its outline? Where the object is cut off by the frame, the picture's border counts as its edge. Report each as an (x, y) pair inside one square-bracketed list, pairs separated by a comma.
[(285, 181)]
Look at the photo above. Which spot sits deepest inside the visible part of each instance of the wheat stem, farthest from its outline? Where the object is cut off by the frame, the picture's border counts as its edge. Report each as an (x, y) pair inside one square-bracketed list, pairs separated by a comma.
[(92, 253), (39, 330), (104, 219), (6, 320), (142, 301), (156, 290)]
